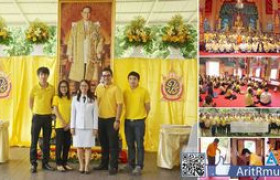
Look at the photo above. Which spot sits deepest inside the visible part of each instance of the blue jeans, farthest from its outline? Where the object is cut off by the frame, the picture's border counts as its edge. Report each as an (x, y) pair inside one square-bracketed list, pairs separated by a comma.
[(134, 133)]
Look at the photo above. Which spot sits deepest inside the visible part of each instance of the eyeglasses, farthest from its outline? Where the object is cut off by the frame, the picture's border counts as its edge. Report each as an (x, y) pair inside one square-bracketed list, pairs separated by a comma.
[(106, 75), (63, 86), (84, 85)]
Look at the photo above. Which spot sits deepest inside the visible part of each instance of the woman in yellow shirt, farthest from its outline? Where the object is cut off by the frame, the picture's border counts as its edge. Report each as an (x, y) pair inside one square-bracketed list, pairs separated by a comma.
[(62, 110), (229, 93), (259, 92), (249, 99)]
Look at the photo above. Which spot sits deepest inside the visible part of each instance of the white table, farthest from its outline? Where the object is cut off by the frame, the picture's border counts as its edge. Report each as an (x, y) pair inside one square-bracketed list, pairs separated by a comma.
[(4, 142), (172, 139)]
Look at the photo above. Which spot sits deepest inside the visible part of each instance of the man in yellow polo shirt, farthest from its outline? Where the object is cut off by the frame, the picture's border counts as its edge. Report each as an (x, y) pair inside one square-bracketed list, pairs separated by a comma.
[(137, 105), (211, 152), (40, 102), (110, 101)]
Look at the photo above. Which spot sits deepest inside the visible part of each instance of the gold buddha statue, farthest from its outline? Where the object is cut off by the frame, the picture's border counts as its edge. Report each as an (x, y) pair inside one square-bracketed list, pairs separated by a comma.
[(238, 24)]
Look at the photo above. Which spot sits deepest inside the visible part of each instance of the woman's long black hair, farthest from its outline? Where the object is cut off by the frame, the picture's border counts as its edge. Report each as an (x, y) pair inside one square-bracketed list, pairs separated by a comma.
[(90, 95)]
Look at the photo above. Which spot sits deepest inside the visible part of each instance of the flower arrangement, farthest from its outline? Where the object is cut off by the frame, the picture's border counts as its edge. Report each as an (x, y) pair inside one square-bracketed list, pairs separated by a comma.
[(5, 34), (136, 33), (37, 33), (175, 33)]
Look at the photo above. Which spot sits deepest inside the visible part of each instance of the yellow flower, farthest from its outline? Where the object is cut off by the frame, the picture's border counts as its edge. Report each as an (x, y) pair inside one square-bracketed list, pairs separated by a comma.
[(169, 32), (164, 38), (144, 36), (34, 39), (44, 34)]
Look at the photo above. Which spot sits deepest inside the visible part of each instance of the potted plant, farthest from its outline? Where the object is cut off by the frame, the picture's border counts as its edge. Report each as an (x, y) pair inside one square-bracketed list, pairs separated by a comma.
[(175, 35), (37, 34), (5, 36), (138, 36)]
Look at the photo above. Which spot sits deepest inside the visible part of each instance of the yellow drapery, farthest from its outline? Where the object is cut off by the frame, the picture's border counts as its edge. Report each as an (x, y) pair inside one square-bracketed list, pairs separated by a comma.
[(22, 73), (182, 112)]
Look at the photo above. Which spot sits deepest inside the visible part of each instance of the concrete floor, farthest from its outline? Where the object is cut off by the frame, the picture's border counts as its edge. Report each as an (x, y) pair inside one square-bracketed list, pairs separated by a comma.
[(18, 168)]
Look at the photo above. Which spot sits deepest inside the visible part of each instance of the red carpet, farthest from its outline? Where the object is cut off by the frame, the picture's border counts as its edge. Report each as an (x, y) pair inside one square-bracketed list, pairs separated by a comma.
[(240, 100), (207, 54)]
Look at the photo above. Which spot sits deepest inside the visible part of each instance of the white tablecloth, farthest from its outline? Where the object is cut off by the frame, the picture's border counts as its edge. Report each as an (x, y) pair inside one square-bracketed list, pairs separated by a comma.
[(172, 139), (248, 127)]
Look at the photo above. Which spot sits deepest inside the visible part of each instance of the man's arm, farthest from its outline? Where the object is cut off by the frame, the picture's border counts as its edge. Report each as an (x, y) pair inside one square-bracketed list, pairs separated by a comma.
[(119, 111), (147, 102), (31, 102), (118, 116), (148, 108)]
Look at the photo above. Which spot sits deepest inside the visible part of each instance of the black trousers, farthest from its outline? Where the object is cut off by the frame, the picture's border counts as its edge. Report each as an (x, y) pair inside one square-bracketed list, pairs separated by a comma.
[(211, 160), (63, 143), (134, 133), (40, 122), (109, 141)]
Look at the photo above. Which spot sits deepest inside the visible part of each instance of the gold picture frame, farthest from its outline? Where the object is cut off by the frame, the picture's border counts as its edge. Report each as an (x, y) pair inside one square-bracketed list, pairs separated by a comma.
[(70, 12)]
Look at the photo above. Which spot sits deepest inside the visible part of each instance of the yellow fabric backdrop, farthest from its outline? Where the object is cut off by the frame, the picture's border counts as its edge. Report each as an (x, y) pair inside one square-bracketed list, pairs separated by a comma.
[(162, 112), (22, 72), (15, 109)]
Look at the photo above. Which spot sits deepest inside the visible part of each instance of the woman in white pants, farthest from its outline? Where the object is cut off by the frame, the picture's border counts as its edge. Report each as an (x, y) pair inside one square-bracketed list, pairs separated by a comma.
[(84, 124)]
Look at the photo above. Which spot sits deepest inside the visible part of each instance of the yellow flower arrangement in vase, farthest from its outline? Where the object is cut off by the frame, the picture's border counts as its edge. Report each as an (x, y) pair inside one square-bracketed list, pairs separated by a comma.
[(37, 32), (136, 33), (175, 33), (5, 34)]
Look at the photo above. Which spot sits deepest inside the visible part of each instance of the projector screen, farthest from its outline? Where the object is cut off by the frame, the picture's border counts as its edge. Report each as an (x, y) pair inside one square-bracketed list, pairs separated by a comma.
[(212, 68)]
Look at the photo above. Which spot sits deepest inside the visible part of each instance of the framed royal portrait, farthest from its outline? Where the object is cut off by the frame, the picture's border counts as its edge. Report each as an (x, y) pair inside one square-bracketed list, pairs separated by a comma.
[(85, 38)]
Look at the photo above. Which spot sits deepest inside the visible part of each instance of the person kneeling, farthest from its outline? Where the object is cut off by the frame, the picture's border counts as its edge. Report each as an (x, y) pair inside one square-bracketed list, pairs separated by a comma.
[(265, 97)]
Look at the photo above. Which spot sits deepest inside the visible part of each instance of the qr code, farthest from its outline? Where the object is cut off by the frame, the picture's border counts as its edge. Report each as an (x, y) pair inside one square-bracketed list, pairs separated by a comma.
[(193, 164)]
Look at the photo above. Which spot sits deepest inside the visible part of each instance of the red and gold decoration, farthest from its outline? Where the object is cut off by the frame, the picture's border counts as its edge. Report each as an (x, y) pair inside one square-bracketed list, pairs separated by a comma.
[(5, 85), (172, 87)]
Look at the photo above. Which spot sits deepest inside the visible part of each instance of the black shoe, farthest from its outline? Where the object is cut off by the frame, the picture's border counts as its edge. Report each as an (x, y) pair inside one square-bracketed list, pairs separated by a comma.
[(101, 168), (113, 171), (33, 168), (47, 167)]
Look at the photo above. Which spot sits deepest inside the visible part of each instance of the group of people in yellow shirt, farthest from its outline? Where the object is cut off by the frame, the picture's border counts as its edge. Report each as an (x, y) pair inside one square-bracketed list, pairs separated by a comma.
[(231, 42), (230, 86), (88, 115), (218, 124)]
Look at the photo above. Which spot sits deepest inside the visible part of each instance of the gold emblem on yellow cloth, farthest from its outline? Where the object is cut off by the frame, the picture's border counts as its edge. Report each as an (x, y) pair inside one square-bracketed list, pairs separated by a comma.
[(172, 87), (5, 85)]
